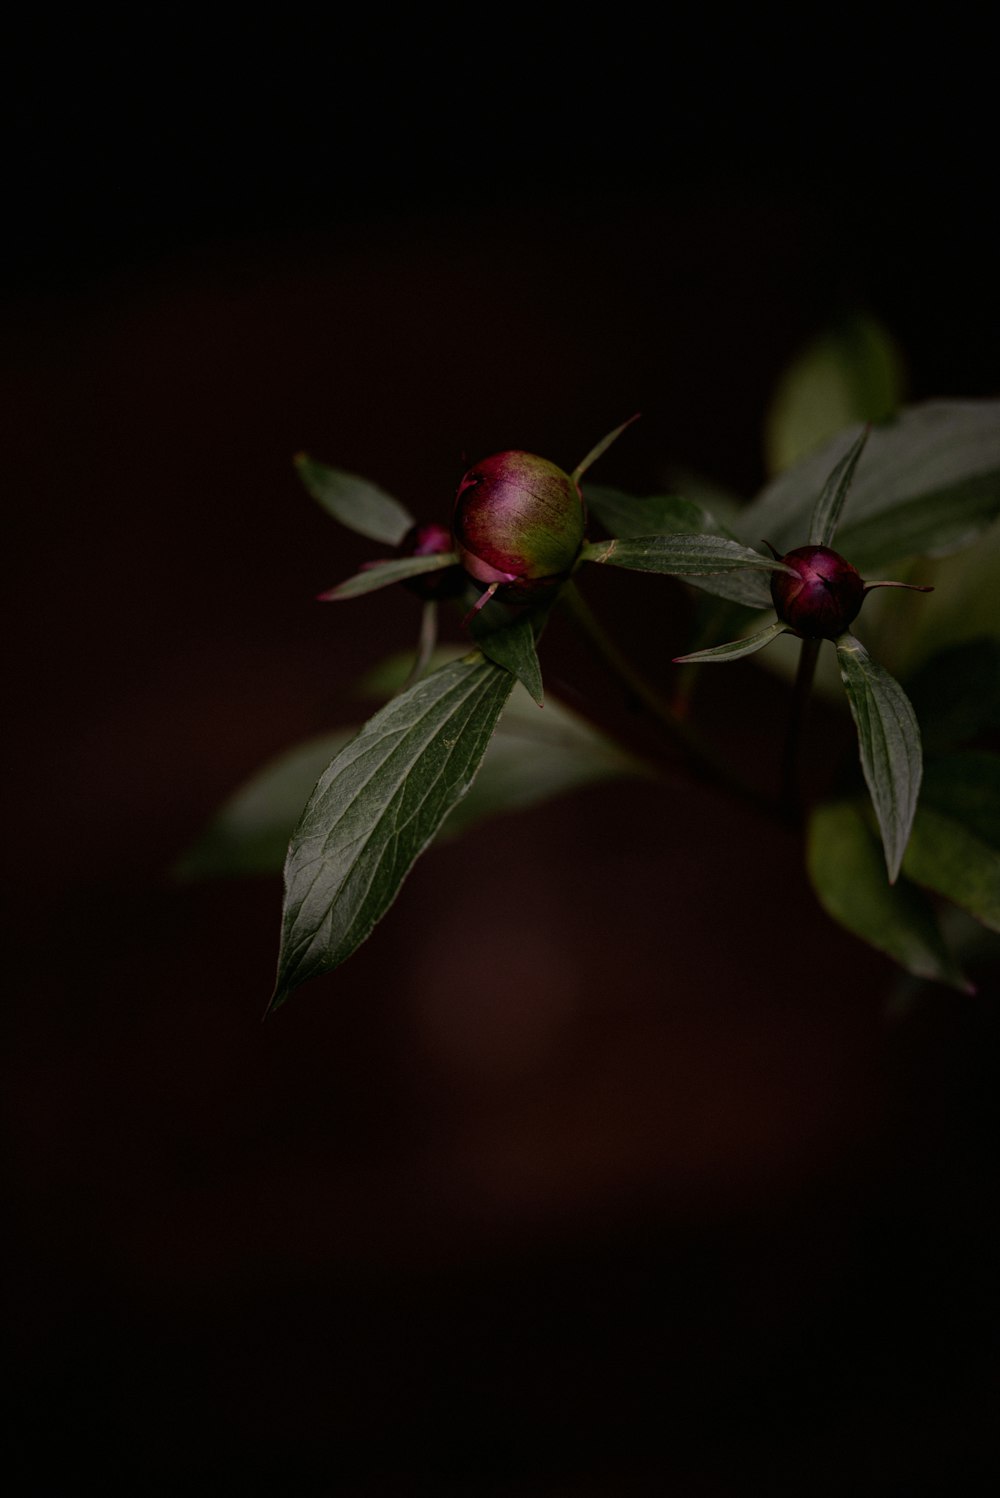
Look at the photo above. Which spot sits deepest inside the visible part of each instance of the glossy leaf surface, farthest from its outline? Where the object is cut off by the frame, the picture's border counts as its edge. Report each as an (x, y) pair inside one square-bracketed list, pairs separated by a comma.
[(356, 502), (848, 875), (376, 808), (889, 744)]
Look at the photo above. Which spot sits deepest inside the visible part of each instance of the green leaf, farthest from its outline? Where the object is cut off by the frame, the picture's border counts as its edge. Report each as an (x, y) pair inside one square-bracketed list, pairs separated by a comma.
[(383, 574), (948, 858), (356, 502), (847, 873), (930, 483), (853, 372), (826, 515), (889, 742), (653, 515), (250, 832), (715, 563), (531, 758), (513, 648), (736, 648), (376, 808), (534, 757), (966, 788), (599, 449), (956, 694)]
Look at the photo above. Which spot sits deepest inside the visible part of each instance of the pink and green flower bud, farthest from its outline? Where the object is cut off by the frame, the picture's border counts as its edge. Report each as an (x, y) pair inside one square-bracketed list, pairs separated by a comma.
[(826, 593), (425, 541), (518, 524)]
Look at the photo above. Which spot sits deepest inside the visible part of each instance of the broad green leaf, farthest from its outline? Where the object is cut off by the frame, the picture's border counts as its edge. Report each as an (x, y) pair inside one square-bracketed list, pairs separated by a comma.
[(383, 574), (964, 607), (513, 648), (714, 563), (652, 515), (966, 788), (847, 873), (930, 482), (945, 856), (851, 373), (376, 808), (249, 834), (826, 515), (889, 743), (534, 757), (356, 502), (531, 758), (736, 648)]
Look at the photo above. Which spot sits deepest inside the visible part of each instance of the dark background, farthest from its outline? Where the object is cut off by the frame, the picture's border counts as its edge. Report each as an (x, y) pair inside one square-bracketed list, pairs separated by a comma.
[(609, 1166)]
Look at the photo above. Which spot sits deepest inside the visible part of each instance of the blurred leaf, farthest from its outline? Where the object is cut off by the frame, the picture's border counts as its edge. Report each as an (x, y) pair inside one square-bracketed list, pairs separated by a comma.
[(599, 449), (512, 647), (653, 515), (852, 373), (250, 832), (531, 758), (966, 788), (889, 742), (722, 504), (929, 483), (534, 757), (376, 808), (736, 648), (826, 515), (847, 873), (943, 855), (356, 502), (383, 574), (389, 676), (967, 586), (714, 563), (956, 694)]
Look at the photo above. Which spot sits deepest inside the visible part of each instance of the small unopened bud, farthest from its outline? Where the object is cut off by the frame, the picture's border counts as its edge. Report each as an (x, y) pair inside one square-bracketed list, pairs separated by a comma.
[(826, 593), (518, 524), (823, 597), (425, 541)]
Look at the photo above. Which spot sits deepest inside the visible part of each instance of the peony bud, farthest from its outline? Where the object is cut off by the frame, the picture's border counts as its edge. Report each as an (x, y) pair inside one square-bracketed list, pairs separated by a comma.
[(425, 541), (518, 524), (825, 596), (827, 593)]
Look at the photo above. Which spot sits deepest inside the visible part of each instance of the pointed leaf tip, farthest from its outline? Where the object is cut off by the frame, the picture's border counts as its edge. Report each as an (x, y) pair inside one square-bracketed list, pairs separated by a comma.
[(376, 808), (888, 743)]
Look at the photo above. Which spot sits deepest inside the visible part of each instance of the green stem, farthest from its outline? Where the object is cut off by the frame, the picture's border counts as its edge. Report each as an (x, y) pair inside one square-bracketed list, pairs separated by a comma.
[(702, 758), (789, 798)]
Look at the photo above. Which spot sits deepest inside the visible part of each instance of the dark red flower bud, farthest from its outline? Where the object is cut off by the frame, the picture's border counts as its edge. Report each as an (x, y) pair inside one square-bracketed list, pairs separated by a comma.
[(824, 596), (425, 541), (518, 524)]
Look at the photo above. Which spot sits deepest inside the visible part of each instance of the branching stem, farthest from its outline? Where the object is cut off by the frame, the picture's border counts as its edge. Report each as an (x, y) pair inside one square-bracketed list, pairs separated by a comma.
[(701, 757)]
